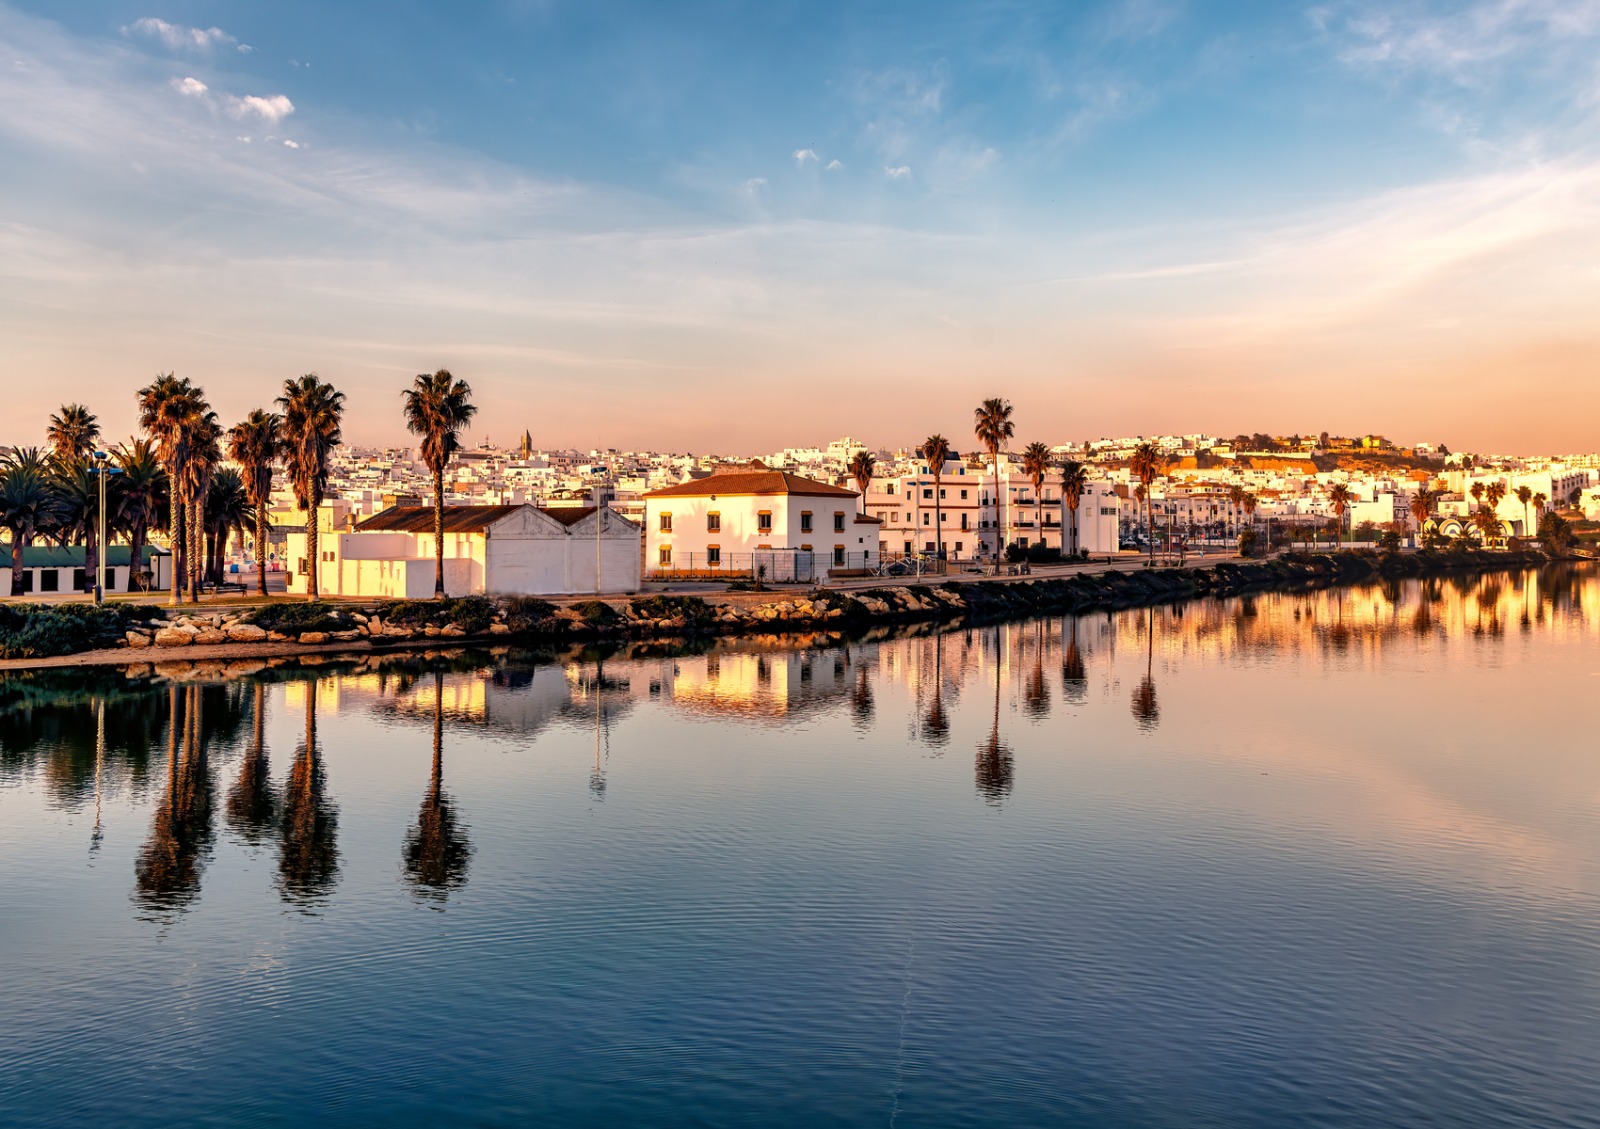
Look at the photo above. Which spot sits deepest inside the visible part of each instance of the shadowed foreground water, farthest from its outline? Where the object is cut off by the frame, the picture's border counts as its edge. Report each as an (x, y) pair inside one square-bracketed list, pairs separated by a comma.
[(1327, 859)]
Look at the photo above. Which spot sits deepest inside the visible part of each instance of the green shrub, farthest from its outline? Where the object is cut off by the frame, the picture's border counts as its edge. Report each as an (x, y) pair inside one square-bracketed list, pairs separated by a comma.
[(292, 619), (39, 631), (596, 612), (526, 613), (1248, 542), (472, 614), (691, 608)]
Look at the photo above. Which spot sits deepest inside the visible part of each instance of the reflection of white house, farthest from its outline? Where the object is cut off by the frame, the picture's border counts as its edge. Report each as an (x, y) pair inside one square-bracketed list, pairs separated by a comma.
[(488, 550), (733, 517)]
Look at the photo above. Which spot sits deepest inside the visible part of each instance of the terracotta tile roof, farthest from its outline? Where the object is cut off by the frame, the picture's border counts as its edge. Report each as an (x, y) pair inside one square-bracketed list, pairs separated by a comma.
[(568, 515), (752, 482), (419, 519)]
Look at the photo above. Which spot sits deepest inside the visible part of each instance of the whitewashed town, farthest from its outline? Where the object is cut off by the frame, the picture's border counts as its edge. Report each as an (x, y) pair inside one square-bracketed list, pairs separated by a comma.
[(519, 517)]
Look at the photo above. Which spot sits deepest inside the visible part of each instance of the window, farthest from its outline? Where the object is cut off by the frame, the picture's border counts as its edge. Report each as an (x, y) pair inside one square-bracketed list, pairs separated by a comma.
[(713, 555), (963, 495), (27, 579), (838, 555), (80, 580), (908, 548), (928, 548), (927, 493), (927, 519), (805, 522), (664, 556), (666, 523), (943, 517), (959, 546), (838, 521), (941, 491), (49, 580), (888, 488), (300, 566), (764, 521), (713, 523), (963, 523)]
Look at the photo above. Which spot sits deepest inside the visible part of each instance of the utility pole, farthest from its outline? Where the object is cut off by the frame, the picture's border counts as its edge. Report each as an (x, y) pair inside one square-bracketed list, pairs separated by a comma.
[(103, 469)]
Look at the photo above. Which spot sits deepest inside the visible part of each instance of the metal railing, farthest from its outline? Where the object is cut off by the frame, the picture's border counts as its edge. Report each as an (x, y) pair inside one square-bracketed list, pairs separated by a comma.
[(775, 566)]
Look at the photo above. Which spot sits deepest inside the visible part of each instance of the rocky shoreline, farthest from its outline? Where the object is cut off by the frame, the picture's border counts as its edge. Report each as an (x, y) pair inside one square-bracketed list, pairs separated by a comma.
[(230, 635)]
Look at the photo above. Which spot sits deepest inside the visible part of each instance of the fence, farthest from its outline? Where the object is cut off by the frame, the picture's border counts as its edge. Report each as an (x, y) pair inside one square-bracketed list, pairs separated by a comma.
[(776, 566)]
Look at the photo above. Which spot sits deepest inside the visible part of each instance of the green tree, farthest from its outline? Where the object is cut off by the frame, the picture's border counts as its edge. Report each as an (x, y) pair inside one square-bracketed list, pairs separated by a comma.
[(993, 427), (1422, 508), (436, 409), (254, 444), (312, 411), (1555, 533), (1525, 495), (935, 450), (1339, 499), (205, 455), (167, 407), (28, 503), (228, 510), (141, 495)]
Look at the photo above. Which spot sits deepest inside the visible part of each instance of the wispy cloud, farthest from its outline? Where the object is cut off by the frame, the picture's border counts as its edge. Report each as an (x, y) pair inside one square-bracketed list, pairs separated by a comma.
[(178, 38), (755, 184), (805, 156), (1454, 41), (190, 87), (835, 165), (897, 172)]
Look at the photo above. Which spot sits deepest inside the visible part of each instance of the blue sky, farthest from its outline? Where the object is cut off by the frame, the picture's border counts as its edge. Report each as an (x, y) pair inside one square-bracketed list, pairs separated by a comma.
[(736, 226)]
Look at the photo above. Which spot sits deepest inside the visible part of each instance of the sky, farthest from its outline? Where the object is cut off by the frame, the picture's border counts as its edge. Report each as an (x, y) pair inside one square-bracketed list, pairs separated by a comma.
[(738, 227)]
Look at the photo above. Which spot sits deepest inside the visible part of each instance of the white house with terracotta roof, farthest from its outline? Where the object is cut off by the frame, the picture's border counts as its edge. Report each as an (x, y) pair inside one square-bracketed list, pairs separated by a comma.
[(488, 551), (742, 518)]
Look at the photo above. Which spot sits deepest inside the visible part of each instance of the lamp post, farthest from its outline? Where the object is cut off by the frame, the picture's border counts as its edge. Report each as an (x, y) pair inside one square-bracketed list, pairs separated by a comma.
[(103, 469)]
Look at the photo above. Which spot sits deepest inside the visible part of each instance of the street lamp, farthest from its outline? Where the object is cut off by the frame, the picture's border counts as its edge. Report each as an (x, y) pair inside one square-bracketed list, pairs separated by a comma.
[(103, 470)]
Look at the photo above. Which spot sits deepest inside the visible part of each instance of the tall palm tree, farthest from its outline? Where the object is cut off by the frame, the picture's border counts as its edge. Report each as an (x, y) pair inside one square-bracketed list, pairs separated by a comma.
[(1235, 503), (312, 410), (1339, 499), (1524, 495), (1539, 501), (167, 406), (254, 444), (993, 427), (436, 408), (78, 510), (28, 503), (1249, 502), (1146, 462), (935, 450), (205, 455), (73, 432), (1074, 481), (1036, 464), (861, 467), (1477, 493), (143, 487)]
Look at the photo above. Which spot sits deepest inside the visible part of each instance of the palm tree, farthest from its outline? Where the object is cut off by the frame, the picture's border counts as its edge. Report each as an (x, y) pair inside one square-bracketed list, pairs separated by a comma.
[(28, 503), (1074, 481), (254, 445), (1036, 464), (1538, 502), (205, 454), (311, 414), (1524, 495), (78, 510), (1422, 507), (143, 485), (73, 432), (436, 408), (166, 408), (1339, 499), (993, 427), (935, 450), (1235, 502), (1249, 502), (1488, 524), (861, 468), (227, 509), (1146, 462), (1477, 493)]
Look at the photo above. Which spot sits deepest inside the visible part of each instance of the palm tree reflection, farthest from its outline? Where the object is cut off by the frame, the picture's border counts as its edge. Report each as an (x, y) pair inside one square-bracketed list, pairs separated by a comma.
[(308, 827), (252, 802), (1146, 710), (1074, 675), (436, 850), (936, 726), (167, 871), (1035, 693), (995, 768), (862, 706)]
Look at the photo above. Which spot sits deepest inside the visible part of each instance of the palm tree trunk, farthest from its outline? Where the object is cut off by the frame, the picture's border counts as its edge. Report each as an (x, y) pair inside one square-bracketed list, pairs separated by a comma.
[(311, 554), (175, 530), (938, 516), (261, 548), (438, 533), (197, 546), (16, 562), (999, 512), (91, 552), (136, 535)]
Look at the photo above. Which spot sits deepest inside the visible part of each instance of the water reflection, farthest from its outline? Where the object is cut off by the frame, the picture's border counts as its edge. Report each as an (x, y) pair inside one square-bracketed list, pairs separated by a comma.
[(164, 737), (308, 828), (436, 850)]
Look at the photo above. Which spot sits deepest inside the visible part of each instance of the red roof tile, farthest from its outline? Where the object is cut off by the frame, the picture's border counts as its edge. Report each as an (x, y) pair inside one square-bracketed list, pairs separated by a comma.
[(458, 519), (752, 482)]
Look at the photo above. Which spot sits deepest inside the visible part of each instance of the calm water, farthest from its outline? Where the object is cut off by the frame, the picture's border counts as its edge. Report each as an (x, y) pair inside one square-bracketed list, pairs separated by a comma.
[(1303, 860)]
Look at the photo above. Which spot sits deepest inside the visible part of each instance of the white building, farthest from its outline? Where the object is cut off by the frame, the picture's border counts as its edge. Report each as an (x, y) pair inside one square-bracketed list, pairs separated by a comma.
[(488, 551), (742, 519)]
